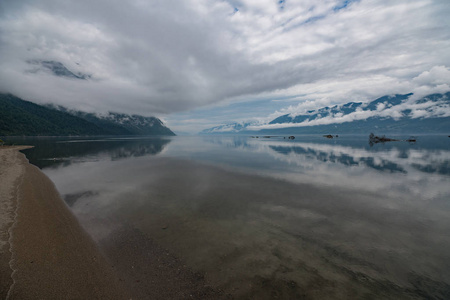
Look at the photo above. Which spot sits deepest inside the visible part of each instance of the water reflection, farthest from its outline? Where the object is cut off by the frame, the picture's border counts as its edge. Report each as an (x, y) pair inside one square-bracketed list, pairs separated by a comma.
[(394, 160), (343, 155), (417, 171), (53, 152), (429, 159), (272, 218)]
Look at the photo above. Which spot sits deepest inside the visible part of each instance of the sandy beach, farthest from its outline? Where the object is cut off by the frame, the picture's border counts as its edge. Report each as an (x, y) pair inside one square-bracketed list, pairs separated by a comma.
[(44, 253)]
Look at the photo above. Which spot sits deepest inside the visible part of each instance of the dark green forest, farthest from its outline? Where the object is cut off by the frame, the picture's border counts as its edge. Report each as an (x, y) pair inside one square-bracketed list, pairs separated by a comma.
[(23, 118)]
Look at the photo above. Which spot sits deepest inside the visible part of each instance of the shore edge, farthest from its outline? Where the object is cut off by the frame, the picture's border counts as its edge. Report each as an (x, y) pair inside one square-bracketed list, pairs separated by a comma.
[(51, 256)]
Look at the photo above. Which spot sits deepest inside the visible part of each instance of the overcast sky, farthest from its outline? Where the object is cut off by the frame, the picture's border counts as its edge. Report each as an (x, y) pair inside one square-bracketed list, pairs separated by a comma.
[(200, 63)]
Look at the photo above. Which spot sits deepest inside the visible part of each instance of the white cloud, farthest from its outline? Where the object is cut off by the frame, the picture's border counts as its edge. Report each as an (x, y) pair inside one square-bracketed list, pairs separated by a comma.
[(322, 93), (166, 57), (438, 75)]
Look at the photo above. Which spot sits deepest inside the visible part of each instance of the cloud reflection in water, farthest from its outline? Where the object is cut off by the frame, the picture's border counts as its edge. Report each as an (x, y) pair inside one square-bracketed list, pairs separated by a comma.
[(271, 217)]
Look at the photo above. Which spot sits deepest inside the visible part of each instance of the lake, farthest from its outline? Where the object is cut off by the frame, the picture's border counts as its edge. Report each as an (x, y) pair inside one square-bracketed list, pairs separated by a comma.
[(265, 218)]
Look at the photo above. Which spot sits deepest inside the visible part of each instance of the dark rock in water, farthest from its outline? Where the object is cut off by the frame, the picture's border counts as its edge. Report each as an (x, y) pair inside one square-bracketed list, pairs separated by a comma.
[(377, 139), (328, 136), (292, 137), (373, 139)]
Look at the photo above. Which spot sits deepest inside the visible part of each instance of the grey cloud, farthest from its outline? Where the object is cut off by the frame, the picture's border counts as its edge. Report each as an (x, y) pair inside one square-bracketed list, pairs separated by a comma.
[(161, 57)]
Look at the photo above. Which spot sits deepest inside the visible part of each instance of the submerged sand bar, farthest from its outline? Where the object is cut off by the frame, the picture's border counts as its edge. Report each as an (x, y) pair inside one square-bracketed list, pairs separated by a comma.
[(44, 253)]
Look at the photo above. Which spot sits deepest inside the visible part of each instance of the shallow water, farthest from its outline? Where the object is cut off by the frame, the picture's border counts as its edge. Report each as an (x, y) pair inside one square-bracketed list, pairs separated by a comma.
[(266, 218)]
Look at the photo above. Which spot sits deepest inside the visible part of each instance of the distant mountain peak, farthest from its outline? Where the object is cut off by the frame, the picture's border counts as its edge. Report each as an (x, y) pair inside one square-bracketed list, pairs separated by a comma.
[(56, 68), (229, 128), (136, 123), (121, 123)]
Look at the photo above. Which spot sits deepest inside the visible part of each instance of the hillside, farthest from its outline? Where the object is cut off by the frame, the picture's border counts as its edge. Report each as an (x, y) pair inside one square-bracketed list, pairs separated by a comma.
[(19, 117), (122, 124)]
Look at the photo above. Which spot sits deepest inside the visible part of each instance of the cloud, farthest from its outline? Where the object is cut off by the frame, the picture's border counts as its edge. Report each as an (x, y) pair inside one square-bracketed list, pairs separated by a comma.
[(169, 57), (323, 93), (437, 76)]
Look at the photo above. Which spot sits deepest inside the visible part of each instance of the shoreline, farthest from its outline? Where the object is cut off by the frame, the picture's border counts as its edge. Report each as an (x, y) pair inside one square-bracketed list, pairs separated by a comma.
[(45, 253)]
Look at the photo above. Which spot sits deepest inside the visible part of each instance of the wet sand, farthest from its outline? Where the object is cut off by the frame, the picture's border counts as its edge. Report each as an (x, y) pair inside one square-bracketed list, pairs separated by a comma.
[(44, 253)]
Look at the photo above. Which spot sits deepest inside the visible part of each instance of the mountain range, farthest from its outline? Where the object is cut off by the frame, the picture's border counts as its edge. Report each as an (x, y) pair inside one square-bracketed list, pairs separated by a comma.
[(391, 114), (23, 118)]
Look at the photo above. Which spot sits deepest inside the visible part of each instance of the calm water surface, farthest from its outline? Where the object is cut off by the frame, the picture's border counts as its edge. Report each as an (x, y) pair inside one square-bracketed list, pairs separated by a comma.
[(270, 218)]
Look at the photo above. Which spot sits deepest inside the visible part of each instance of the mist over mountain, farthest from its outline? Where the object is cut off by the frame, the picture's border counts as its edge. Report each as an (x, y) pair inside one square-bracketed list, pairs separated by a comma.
[(23, 118), (55, 68), (118, 123), (230, 128), (395, 113)]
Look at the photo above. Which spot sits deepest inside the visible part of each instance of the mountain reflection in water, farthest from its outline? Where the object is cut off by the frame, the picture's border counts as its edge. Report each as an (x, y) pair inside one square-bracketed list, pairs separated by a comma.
[(52, 152), (272, 218)]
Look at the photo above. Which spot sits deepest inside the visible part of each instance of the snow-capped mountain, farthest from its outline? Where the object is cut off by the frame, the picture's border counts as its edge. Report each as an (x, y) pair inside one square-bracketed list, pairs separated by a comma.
[(397, 113), (338, 111), (229, 128)]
